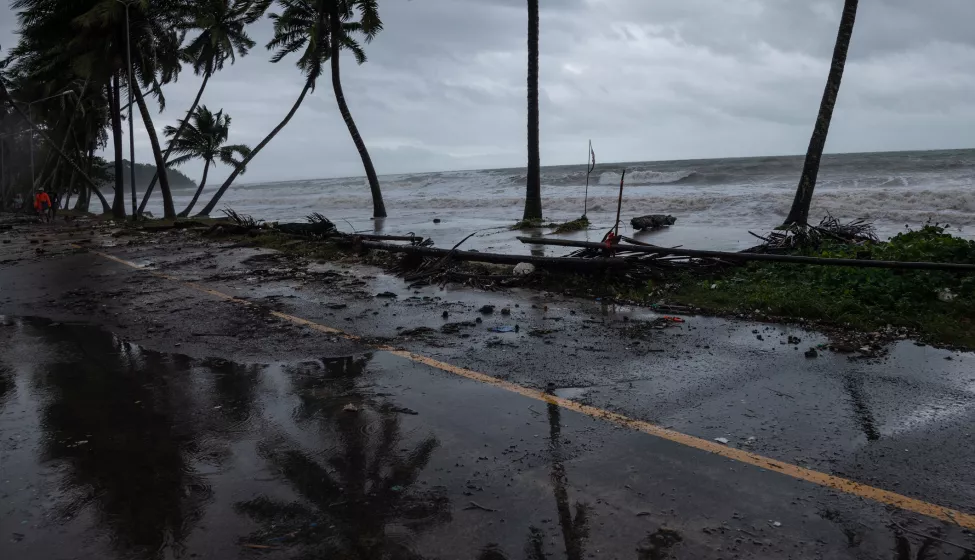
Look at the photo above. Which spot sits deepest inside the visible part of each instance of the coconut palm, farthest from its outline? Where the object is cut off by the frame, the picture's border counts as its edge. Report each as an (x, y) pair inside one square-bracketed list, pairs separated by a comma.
[(203, 137), (799, 213), (222, 37), (533, 190), (369, 24), (308, 27)]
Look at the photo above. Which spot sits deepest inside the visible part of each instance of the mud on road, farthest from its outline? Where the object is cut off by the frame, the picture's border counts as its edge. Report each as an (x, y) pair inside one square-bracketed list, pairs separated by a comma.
[(145, 416)]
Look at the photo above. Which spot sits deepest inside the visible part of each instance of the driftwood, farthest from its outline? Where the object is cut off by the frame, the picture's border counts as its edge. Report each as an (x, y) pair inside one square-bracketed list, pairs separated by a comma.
[(653, 221), (729, 256)]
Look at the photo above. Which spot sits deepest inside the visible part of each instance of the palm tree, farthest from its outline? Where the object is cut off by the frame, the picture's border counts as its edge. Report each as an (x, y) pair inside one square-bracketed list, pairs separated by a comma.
[(222, 37), (204, 134), (370, 25), (533, 194), (309, 26), (799, 213)]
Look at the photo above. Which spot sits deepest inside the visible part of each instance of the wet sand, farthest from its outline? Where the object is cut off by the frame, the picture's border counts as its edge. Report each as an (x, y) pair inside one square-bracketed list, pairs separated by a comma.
[(141, 418)]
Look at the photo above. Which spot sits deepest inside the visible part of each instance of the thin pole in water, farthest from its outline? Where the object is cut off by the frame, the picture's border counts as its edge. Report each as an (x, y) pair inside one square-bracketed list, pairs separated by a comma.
[(619, 204), (591, 165)]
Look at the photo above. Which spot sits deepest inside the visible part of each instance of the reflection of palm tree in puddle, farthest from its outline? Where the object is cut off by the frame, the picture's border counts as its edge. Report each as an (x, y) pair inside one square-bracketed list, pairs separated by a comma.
[(536, 250), (125, 425), (575, 530), (6, 383), (358, 498), (853, 384)]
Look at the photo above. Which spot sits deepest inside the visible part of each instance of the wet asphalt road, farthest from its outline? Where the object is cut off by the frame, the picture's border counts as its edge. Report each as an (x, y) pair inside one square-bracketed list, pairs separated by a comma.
[(140, 419)]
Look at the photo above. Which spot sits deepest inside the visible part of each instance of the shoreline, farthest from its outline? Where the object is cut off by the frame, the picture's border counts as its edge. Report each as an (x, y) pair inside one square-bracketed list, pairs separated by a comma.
[(860, 335)]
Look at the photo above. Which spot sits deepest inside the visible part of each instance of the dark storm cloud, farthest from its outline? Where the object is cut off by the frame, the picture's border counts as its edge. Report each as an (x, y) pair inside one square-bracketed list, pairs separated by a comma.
[(445, 84)]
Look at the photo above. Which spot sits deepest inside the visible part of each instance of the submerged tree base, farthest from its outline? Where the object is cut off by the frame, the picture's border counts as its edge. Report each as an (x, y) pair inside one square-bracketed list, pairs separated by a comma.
[(578, 224)]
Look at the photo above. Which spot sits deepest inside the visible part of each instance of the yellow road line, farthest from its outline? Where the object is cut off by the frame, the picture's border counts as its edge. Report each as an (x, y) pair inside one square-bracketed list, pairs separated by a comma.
[(935, 511)]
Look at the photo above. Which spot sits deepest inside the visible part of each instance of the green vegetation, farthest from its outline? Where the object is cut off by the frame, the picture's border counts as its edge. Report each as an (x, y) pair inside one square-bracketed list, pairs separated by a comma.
[(565, 227), (528, 224), (938, 305)]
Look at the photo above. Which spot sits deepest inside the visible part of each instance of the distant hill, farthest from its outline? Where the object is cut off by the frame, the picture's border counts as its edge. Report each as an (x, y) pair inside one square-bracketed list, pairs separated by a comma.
[(144, 174)]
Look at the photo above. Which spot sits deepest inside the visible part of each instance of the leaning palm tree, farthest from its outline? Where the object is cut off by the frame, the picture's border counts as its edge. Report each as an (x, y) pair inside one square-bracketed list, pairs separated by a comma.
[(309, 26), (222, 37), (204, 134), (799, 213), (533, 190), (369, 25)]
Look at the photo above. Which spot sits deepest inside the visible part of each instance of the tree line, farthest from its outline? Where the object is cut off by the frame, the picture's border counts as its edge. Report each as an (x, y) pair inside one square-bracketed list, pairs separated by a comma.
[(65, 79)]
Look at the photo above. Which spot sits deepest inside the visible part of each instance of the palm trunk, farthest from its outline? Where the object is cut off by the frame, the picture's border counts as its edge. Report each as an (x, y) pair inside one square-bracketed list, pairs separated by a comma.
[(533, 191), (169, 211), (799, 213), (199, 191), (378, 207), (172, 142), (70, 191), (226, 184), (118, 203)]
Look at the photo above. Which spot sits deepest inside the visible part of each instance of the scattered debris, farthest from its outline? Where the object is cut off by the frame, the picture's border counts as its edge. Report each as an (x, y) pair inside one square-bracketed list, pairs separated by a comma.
[(350, 408), (403, 410), (454, 328), (811, 353), (504, 329), (417, 331), (486, 309), (721, 440), (523, 269), (475, 505)]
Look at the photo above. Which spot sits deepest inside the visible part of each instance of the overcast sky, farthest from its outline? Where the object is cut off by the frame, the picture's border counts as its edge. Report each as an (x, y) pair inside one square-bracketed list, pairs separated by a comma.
[(445, 86)]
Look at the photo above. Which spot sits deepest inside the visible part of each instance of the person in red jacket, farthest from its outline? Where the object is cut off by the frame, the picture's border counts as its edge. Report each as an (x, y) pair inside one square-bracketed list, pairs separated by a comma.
[(42, 204)]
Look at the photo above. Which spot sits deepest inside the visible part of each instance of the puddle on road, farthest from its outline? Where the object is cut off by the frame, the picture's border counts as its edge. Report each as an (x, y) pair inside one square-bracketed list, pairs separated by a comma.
[(137, 453), (111, 450)]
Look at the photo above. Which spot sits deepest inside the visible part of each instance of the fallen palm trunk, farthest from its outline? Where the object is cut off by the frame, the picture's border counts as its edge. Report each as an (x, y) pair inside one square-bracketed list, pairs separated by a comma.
[(492, 258), (729, 256)]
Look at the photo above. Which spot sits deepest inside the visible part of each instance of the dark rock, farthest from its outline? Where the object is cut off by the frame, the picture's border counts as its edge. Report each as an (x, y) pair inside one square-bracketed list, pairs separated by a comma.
[(486, 309), (436, 220), (653, 221), (386, 295), (445, 315), (811, 353), (505, 311)]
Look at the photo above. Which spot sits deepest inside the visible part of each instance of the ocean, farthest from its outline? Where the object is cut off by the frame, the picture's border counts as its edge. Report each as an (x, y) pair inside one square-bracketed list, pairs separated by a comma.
[(716, 201)]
